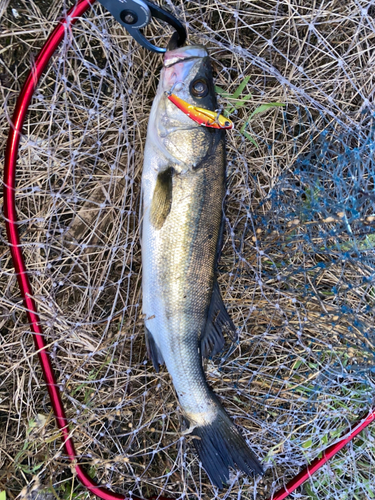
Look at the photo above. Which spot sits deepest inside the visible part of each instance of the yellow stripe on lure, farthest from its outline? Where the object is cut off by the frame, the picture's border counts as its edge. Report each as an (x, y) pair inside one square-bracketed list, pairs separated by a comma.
[(202, 116)]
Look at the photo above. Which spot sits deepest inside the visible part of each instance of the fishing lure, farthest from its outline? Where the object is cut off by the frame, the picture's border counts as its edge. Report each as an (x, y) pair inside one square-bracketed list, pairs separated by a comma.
[(204, 117)]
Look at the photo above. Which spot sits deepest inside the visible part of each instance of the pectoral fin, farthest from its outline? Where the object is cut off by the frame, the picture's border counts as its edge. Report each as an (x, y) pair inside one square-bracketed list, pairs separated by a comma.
[(162, 198), (218, 321)]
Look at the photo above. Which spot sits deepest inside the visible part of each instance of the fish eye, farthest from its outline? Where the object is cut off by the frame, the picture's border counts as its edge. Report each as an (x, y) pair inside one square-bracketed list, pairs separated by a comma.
[(199, 87), (227, 124)]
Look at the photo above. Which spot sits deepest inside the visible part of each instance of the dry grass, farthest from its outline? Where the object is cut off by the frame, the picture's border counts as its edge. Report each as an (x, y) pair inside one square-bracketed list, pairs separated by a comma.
[(297, 270)]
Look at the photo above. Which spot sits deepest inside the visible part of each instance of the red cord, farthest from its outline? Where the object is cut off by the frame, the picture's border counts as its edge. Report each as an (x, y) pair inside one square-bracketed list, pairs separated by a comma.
[(10, 215), (328, 453)]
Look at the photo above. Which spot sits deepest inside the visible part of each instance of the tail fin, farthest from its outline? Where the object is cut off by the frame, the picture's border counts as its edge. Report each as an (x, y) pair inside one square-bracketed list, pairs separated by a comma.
[(220, 446)]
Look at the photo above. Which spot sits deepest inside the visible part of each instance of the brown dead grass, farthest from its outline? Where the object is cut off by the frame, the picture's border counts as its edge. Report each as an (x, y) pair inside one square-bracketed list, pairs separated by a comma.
[(290, 379)]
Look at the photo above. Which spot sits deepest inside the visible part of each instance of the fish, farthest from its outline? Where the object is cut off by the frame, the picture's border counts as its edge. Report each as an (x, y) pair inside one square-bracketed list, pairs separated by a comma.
[(183, 188)]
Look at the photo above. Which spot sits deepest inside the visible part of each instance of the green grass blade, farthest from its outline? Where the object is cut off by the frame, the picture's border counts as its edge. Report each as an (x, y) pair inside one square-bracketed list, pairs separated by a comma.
[(241, 102), (222, 92), (265, 107), (251, 139), (241, 87), (307, 444), (260, 109)]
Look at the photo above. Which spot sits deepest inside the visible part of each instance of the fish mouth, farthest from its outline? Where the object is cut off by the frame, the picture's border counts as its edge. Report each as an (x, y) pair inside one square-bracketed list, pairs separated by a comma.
[(183, 54)]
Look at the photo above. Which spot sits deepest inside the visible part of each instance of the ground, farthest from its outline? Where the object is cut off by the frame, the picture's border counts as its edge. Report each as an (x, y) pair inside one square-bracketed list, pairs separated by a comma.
[(296, 272)]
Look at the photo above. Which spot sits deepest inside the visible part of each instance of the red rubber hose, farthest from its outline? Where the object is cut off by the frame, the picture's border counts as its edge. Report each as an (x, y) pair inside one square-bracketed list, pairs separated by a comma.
[(328, 453), (10, 215)]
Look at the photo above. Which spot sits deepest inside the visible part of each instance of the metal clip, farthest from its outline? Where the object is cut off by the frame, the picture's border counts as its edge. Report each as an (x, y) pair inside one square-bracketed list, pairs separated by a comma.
[(136, 14)]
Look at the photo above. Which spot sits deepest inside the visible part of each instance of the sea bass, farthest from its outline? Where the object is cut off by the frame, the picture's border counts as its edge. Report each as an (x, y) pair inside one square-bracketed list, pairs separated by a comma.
[(183, 187)]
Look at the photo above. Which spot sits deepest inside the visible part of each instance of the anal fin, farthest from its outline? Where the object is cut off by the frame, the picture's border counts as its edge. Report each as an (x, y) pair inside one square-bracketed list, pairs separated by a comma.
[(153, 351), (218, 321)]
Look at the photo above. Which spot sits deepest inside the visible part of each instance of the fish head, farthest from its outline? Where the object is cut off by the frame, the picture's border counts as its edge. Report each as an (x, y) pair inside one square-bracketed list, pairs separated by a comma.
[(187, 74)]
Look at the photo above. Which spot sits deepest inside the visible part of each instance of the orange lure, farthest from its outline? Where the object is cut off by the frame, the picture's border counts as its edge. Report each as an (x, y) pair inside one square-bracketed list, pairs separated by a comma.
[(204, 117)]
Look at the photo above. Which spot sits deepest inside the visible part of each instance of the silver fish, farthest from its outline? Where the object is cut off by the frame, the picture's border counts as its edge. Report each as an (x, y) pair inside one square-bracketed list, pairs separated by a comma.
[(183, 187)]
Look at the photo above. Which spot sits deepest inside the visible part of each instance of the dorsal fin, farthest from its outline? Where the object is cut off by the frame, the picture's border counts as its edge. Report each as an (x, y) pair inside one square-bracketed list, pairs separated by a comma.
[(162, 198), (218, 321)]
